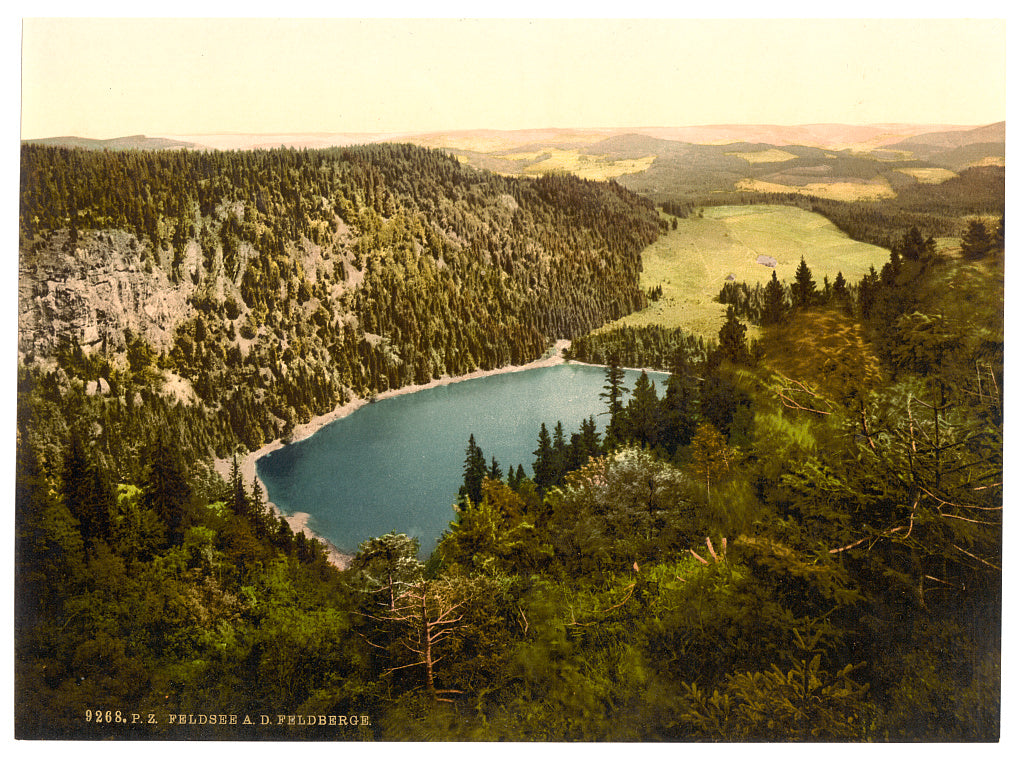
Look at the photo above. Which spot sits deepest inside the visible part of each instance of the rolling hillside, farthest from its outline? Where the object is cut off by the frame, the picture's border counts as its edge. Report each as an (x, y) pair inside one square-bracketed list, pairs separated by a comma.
[(725, 243)]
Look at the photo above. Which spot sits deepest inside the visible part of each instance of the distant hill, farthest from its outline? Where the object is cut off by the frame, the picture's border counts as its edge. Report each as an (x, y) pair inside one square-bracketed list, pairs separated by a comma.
[(835, 161), (991, 133), (134, 142), (958, 150)]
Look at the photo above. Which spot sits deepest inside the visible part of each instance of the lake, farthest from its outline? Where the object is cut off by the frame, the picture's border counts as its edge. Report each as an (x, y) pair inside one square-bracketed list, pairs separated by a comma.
[(397, 464)]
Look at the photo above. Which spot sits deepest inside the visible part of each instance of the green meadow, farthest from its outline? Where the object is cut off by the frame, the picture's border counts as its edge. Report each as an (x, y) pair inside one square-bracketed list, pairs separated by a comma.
[(691, 263)]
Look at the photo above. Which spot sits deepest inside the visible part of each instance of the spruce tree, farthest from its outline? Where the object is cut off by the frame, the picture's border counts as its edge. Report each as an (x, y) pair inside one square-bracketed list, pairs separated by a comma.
[(473, 472), (643, 413), (87, 492), (165, 485), (613, 393), (804, 288), (841, 293), (732, 340), (584, 444), (680, 405), (774, 302), (543, 462), (559, 453), (867, 292), (975, 242), (259, 509), (236, 498)]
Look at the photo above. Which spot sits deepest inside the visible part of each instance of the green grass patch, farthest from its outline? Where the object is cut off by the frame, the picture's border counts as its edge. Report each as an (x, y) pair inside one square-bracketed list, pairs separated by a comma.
[(584, 165), (692, 262), (929, 175)]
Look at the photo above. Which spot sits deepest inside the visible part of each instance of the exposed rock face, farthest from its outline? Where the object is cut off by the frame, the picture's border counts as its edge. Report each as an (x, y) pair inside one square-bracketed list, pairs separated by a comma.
[(93, 290), (768, 261)]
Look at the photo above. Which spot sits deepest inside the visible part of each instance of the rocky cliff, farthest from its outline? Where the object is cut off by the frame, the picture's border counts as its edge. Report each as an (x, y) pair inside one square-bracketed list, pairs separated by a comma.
[(91, 287)]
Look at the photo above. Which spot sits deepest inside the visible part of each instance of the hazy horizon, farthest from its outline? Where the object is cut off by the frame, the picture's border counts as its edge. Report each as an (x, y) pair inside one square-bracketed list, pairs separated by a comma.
[(108, 78), (542, 128)]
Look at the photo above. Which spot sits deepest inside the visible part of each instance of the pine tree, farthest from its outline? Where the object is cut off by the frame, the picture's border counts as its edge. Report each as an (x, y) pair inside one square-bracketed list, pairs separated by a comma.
[(237, 499), (86, 490), (584, 444), (643, 413), (732, 340), (774, 310), (473, 472), (975, 243), (613, 393), (259, 509), (680, 405), (543, 462), (804, 288), (559, 453), (165, 485), (867, 292)]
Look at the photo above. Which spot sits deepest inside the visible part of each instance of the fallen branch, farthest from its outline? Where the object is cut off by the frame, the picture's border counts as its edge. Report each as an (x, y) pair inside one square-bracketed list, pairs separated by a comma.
[(979, 559)]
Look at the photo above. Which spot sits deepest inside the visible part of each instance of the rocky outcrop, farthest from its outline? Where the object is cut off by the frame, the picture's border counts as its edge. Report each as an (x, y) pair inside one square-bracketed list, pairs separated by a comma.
[(93, 288)]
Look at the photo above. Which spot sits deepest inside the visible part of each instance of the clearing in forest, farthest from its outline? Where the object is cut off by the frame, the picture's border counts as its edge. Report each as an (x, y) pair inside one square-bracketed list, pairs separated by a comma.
[(852, 190), (931, 175), (692, 263), (583, 165), (771, 156)]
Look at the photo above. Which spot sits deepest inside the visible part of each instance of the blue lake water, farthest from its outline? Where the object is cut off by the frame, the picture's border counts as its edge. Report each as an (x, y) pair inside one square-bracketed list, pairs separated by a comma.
[(397, 464)]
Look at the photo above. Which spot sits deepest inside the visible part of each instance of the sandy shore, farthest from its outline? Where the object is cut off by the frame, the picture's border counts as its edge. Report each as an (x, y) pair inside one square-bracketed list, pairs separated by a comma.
[(299, 521)]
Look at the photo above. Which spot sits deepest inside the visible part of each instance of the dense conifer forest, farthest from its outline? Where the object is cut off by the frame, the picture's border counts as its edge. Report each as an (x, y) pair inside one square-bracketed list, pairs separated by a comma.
[(310, 277), (801, 540)]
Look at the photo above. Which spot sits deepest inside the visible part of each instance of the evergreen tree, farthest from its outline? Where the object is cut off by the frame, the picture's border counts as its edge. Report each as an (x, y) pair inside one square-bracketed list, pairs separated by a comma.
[(720, 398), (258, 508), (891, 270), (473, 472), (543, 463), (975, 243), (388, 565), (643, 413), (732, 341), (774, 310), (804, 288), (237, 499), (867, 292), (165, 484), (679, 407), (86, 490), (559, 453), (841, 293), (613, 394), (584, 444)]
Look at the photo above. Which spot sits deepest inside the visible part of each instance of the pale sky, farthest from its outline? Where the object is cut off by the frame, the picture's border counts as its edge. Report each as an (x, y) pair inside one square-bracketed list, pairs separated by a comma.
[(105, 78)]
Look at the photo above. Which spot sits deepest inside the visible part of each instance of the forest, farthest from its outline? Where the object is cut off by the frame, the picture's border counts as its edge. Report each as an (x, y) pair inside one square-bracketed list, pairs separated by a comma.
[(800, 541)]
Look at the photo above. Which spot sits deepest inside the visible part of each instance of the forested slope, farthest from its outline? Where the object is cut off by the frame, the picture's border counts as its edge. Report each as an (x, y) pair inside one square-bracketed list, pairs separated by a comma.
[(802, 540), (278, 284)]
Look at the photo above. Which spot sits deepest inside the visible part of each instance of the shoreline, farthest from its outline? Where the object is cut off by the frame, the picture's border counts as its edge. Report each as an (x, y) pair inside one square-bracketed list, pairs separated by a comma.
[(299, 521), (648, 370)]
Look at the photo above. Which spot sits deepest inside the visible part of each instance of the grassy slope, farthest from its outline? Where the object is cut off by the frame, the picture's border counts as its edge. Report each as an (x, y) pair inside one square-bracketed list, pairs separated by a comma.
[(692, 262)]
